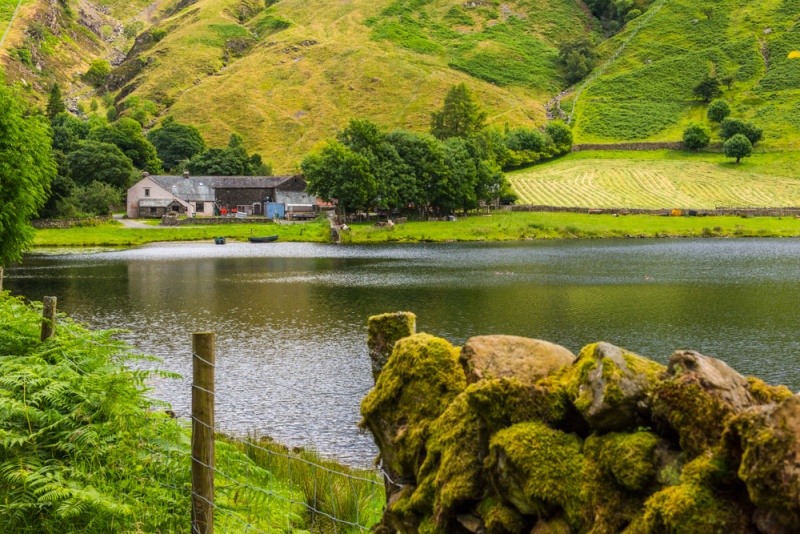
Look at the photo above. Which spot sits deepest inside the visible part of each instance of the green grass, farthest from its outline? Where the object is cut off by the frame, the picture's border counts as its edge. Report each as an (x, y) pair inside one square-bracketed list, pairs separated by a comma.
[(502, 226), (113, 234), (661, 179)]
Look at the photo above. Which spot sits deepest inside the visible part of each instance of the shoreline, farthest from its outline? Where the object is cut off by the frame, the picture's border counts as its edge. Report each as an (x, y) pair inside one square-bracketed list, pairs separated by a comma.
[(499, 226)]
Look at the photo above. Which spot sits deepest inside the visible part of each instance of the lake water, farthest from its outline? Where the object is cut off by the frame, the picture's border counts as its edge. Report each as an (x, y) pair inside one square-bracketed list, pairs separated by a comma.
[(291, 317)]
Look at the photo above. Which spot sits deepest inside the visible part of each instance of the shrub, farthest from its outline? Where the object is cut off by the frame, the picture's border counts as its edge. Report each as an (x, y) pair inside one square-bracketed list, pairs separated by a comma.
[(718, 111), (708, 88), (731, 127), (97, 73), (632, 14), (158, 34), (737, 147), (696, 136)]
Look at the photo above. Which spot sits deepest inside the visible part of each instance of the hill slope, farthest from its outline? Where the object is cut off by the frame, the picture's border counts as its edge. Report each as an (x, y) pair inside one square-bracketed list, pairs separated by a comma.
[(286, 77)]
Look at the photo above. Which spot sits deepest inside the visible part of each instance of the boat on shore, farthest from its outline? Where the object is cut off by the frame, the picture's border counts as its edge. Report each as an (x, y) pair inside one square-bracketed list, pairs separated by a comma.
[(267, 239), (219, 240)]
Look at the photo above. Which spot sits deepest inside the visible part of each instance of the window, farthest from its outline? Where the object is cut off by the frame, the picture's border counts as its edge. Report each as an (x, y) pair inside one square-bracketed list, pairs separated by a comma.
[(146, 191), (153, 210), (200, 206)]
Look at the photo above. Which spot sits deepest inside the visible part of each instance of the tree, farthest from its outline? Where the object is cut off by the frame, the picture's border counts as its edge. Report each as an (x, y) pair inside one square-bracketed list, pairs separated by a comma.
[(338, 173), (93, 161), (55, 102), (463, 178), (461, 115), (718, 111), (731, 127), (26, 168), (98, 198), (97, 73), (424, 165), (728, 80), (525, 139), (578, 57), (68, 130), (176, 143), (696, 136), (561, 134), (127, 134), (230, 161), (737, 147), (708, 88)]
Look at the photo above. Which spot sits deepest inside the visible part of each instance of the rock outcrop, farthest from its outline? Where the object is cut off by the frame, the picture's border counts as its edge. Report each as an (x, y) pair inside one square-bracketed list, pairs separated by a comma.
[(514, 435)]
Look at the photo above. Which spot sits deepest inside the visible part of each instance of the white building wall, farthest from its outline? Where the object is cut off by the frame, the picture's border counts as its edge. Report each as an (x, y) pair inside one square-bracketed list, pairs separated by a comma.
[(137, 192)]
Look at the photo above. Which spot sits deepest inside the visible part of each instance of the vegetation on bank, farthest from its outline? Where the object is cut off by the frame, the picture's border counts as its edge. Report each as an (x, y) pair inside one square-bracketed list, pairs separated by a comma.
[(84, 449), (497, 226)]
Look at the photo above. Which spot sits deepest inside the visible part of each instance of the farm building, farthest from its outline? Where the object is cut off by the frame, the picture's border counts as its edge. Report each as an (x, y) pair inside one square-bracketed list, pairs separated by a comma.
[(205, 196)]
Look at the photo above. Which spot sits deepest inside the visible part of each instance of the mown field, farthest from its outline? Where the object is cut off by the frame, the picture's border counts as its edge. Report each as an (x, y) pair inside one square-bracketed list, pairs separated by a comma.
[(703, 181)]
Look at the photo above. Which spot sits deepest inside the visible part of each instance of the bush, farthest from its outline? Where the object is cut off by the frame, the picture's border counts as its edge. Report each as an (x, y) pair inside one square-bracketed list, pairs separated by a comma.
[(97, 73), (632, 14), (696, 136), (708, 88), (158, 34), (718, 111), (738, 147)]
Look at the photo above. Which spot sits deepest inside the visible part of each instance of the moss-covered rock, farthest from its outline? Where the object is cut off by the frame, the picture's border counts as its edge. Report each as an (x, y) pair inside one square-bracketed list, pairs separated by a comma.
[(418, 383), (506, 401), (525, 359), (383, 331), (767, 440), (499, 518), (538, 470), (610, 386), (629, 458), (695, 506)]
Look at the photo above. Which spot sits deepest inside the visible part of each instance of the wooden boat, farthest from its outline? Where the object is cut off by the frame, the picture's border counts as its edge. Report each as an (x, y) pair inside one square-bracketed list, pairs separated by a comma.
[(219, 240), (267, 239)]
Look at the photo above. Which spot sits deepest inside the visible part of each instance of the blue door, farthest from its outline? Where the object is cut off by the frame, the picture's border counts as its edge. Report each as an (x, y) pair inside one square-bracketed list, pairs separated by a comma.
[(274, 209)]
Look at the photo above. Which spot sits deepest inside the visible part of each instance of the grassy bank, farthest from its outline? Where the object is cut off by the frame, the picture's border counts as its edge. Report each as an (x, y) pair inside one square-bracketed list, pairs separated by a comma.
[(114, 234), (499, 226), (519, 226), (84, 449)]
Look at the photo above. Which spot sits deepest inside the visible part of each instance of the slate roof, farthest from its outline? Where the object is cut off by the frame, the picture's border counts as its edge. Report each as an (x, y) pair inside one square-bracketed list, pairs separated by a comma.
[(196, 188)]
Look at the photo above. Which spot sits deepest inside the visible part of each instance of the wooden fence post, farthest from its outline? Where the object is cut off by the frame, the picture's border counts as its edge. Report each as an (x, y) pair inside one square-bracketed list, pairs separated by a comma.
[(49, 318), (1, 279), (203, 433)]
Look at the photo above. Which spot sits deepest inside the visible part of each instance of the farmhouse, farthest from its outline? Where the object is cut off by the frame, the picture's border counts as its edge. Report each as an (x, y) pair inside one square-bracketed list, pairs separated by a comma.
[(205, 196)]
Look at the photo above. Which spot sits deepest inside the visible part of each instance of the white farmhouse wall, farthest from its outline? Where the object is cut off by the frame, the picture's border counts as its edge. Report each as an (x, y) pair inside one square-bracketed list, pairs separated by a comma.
[(137, 192)]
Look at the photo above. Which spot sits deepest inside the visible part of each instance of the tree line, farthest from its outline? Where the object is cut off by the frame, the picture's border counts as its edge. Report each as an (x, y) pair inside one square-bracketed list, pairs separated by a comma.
[(98, 159), (455, 166)]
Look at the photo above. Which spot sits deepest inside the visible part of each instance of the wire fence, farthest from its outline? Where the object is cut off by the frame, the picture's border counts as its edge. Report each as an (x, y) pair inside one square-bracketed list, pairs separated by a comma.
[(257, 486), (7, 7)]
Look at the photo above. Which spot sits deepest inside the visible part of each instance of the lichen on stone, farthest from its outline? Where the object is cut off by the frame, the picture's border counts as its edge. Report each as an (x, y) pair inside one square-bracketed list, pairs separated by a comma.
[(420, 379), (499, 518), (383, 331), (538, 470)]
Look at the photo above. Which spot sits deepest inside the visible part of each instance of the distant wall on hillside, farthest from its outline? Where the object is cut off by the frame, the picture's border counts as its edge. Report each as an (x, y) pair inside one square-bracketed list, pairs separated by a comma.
[(628, 146)]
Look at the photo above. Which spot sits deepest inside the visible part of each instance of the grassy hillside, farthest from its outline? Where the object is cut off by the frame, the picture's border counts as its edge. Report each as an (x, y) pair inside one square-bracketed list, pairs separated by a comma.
[(660, 180), (646, 94)]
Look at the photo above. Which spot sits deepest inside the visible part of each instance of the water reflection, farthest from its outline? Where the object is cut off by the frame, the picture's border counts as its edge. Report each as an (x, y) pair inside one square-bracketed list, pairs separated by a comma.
[(290, 318)]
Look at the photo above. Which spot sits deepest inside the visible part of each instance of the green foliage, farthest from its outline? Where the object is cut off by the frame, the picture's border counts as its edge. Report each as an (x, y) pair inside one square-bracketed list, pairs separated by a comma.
[(127, 135), (97, 73), (230, 161), (132, 29), (718, 111), (67, 131), (141, 110), (696, 136), (738, 147), (55, 102), (708, 88), (634, 119), (578, 57), (99, 198), (176, 143), (341, 174), (26, 168), (461, 115), (157, 34), (733, 126), (94, 161)]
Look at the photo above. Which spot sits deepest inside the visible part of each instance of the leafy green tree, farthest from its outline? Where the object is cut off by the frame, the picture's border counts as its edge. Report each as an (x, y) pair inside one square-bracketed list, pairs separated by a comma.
[(55, 102), (733, 126), (127, 134), (98, 198), (94, 161), (578, 56), (708, 88), (338, 173), (525, 139), (460, 190), (737, 147), (68, 130), (696, 136), (97, 73), (230, 161), (26, 168), (424, 163), (718, 111), (176, 143), (561, 134), (461, 115)]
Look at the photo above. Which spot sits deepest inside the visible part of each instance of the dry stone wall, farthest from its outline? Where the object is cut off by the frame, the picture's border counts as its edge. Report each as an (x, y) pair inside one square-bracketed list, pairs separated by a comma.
[(514, 435)]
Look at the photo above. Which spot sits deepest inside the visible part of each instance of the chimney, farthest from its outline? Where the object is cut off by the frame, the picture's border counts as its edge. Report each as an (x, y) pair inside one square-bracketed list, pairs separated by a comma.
[(186, 173), (145, 174)]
